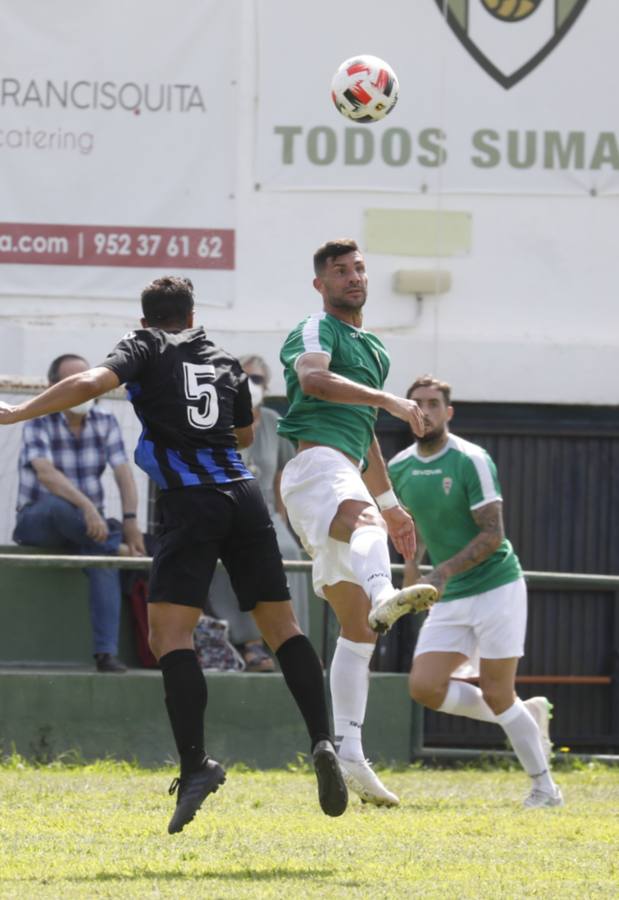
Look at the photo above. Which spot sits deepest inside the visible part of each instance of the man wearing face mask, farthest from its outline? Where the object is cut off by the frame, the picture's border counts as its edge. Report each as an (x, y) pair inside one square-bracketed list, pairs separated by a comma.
[(60, 501)]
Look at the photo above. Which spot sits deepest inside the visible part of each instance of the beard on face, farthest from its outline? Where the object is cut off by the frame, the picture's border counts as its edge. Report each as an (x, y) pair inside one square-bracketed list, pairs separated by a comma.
[(431, 436), (344, 301)]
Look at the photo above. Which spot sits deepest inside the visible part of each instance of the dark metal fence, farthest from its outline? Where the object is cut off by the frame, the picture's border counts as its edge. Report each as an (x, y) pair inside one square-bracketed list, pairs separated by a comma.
[(559, 472)]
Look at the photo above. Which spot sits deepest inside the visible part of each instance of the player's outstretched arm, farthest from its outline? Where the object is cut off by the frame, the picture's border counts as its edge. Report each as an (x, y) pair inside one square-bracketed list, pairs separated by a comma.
[(65, 394), (317, 380)]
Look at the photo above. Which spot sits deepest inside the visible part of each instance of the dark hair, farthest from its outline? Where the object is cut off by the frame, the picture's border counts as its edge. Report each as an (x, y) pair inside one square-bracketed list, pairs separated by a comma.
[(431, 382), (53, 375), (167, 301), (331, 250)]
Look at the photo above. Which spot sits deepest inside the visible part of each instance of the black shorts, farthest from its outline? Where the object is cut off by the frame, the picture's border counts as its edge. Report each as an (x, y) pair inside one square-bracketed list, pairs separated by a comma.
[(202, 524)]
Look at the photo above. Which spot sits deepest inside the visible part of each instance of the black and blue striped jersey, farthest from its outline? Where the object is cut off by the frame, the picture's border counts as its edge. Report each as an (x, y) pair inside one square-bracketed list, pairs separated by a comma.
[(190, 396)]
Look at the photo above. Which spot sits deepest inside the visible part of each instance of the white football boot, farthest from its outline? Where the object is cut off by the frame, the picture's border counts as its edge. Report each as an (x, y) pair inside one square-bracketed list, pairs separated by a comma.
[(361, 778), (415, 598), (539, 798), (541, 710)]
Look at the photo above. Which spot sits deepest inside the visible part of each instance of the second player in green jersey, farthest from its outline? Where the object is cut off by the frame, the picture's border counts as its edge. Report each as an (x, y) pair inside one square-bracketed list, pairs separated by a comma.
[(451, 487)]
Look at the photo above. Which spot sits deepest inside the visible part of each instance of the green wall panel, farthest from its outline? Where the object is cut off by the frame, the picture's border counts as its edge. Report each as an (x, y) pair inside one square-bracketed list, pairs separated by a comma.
[(250, 718)]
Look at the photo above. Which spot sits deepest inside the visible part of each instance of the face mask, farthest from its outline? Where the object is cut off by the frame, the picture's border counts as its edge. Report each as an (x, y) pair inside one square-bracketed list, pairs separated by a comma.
[(257, 394), (82, 408)]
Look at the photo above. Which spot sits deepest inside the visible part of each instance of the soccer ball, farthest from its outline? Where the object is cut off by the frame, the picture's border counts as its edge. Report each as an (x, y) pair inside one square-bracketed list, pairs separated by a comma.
[(365, 89)]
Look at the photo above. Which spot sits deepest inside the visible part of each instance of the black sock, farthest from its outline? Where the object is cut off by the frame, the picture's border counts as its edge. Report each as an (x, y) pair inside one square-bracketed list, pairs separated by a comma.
[(185, 698), (303, 674)]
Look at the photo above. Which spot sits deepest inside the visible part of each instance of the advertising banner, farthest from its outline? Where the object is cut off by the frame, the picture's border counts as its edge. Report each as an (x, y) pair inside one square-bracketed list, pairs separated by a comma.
[(116, 127), (497, 96)]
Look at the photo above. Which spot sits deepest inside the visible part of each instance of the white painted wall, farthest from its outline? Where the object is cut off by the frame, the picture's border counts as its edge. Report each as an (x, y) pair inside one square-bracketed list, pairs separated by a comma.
[(532, 314)]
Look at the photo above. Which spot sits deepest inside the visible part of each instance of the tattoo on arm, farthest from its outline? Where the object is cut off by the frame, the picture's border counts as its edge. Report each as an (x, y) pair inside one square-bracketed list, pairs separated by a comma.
[(489, 520)]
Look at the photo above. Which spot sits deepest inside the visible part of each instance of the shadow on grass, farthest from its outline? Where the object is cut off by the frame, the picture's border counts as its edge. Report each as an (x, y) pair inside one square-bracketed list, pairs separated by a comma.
[(280, 872)]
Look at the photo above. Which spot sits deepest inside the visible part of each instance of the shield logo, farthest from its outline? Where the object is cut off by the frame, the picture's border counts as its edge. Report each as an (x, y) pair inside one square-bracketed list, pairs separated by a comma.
[(447, 483), (510, 38)]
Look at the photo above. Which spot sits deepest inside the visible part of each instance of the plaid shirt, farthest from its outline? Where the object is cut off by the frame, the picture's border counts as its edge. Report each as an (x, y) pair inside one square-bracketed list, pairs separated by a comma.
[(81, 459)]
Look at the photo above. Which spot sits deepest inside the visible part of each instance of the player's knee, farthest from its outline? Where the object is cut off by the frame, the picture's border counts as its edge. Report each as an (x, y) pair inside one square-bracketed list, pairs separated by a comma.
[(164, 638), (277, 623), (358, 633), (498, 697), (353, 514), (425, 692), (370, 516), (156, 640), (153, 643)]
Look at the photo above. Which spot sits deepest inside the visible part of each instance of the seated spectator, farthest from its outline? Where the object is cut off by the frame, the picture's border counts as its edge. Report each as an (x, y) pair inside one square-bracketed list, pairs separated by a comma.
[(266, 458), (60, 500)]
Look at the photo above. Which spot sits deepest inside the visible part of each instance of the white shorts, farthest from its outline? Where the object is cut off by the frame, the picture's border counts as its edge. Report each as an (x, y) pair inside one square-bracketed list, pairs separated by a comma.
[(491, 625), (313, 485)]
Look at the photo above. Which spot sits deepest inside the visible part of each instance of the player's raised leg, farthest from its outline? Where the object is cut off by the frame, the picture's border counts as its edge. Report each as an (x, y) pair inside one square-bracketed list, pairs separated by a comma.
[(362, 525), (171, 628)]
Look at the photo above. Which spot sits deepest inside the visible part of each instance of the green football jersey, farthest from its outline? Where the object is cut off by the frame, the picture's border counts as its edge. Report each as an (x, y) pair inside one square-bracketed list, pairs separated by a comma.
[(439, 492), (355, 354)]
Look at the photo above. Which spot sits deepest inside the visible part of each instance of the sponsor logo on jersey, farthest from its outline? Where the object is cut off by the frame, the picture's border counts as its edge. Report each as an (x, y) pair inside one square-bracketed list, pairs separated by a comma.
[(447, 485), (426, 471), (510, 38)]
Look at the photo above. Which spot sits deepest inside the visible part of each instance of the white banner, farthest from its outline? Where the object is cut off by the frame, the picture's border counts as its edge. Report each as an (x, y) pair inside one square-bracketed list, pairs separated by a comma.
[(494, 97), (116, 128)]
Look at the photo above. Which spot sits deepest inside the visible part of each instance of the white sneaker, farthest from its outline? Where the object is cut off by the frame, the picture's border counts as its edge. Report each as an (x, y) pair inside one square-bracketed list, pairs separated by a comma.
[(538, 798), (362, 779), (415, 598), (541, 710)]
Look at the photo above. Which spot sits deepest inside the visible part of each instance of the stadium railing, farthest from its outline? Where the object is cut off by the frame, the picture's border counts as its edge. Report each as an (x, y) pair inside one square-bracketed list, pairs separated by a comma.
[(605, 680), (555, 580)]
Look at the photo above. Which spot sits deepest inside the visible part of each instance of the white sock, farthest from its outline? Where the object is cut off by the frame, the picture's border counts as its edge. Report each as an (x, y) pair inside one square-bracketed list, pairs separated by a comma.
[(463, 699), (523, 733), (350, 682), (369, 560)]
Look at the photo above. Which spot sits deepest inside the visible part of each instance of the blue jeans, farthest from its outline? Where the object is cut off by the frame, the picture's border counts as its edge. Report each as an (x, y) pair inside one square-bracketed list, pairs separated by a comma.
[(54, 522)]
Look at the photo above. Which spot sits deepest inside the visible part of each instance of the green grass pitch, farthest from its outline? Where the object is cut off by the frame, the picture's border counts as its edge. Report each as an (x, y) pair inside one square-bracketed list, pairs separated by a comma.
[(99, 830)]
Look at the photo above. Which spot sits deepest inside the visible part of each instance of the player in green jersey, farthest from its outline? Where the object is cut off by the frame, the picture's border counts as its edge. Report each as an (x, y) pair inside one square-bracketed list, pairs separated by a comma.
[(335, 371), (451, 488)]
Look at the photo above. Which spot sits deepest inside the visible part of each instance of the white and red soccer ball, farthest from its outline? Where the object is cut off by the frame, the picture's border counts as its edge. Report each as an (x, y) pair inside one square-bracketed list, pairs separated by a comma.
[(365, 88)]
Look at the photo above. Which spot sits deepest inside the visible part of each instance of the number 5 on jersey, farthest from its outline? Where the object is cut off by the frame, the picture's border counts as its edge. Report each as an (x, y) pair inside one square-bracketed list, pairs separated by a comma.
[(199, 386)]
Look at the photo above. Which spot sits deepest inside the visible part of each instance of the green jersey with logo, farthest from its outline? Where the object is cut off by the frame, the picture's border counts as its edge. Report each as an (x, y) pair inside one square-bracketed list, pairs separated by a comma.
[(355, 354), (440, 491)]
